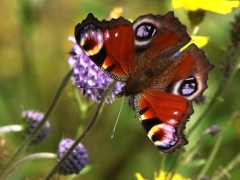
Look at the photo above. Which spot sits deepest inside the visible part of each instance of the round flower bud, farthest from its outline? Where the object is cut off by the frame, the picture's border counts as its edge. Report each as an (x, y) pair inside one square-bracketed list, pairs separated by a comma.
[(76, 161), (33, 118)]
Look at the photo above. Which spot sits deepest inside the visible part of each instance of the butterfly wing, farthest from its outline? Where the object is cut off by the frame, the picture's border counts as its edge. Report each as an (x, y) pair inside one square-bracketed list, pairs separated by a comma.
[(109, 44), (163, 117), (158, 36), (189, 73), (164, 112)]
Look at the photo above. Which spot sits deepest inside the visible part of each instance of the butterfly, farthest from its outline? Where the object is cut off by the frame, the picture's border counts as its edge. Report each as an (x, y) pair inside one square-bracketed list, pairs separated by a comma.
[(146, 56)]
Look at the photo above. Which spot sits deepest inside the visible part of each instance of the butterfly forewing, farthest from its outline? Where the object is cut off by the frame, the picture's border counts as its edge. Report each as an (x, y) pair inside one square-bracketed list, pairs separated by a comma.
[(158, 36), (109, 44)]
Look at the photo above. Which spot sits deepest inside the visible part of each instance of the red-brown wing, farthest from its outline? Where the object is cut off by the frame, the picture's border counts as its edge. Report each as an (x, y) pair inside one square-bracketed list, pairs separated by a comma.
[(164, 111), (187, 77), (163, 117), (109, 44), (158, 36)]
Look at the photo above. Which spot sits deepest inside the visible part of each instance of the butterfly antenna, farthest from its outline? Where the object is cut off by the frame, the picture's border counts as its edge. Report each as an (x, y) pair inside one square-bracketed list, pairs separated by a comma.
[(117, 118)]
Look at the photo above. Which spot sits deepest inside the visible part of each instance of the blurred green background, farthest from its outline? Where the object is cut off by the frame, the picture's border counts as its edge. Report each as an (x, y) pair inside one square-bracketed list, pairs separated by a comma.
[(33, 60)]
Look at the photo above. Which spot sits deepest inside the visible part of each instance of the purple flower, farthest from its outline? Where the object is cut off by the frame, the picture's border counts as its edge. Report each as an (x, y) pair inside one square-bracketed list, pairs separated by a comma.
[(33, 118), (88, 77), (76, 161)]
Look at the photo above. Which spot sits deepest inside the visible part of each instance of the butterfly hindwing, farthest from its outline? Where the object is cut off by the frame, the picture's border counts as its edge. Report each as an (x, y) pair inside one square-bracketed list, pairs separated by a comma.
[(163, 117), (190, 73)]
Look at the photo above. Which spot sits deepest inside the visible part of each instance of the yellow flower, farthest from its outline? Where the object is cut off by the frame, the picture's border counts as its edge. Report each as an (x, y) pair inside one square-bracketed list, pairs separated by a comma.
[(200, 41), (217, 6), (115, 13), (139, 176), (163, 176)]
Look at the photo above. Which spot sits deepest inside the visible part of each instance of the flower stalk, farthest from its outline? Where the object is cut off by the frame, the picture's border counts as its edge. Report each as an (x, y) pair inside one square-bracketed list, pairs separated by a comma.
[(229, 67), (41, 155), (231, 166), (41, 124), (86, 130), (217, 145)]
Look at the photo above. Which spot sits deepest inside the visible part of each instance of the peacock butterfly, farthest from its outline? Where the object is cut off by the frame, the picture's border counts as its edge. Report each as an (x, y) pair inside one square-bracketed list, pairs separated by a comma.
[(146, 56)]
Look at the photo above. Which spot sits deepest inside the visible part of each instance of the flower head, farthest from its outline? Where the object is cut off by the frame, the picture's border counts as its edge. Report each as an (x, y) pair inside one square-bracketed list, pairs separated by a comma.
[(115, 13), (77, 159), (88, 77), (162, 176), (216, 6), (214, 129), (33, 118), (200, 41), (197, 8)]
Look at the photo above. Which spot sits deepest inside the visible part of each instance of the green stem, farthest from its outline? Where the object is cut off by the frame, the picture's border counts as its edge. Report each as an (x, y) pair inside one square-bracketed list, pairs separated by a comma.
[(163, 160), (84, 133), (216, 146), (27, 158), (181, 159), (190, 153), (194, 30), (41, 124), (175, 165), (82, 108), (233, 164), (206, 110)]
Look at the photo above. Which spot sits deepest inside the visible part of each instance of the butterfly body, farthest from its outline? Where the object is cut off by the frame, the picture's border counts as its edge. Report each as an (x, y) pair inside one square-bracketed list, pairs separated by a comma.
[(146, 56)]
